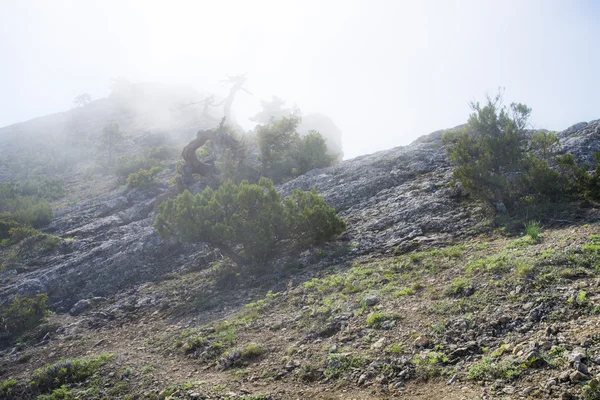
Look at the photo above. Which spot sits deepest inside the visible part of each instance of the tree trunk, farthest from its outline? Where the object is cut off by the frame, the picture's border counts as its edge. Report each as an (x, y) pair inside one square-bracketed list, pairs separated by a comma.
[(235, 257)]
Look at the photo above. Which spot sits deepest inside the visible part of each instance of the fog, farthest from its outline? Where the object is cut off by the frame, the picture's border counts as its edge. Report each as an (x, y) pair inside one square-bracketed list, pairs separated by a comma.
[(386, 72)]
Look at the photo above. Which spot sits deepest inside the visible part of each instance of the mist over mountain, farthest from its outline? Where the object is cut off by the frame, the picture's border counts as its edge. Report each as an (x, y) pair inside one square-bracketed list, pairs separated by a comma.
[(424, 284), (273, 199)]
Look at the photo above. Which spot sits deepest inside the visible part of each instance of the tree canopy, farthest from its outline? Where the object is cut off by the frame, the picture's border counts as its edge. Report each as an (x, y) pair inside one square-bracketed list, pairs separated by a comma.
[(250, 223), (110, 138), (285, 154), (488, 148)]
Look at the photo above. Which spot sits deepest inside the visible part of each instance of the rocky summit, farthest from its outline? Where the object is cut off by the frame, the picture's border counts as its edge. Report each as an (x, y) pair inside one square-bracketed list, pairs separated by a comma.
[(424, 296)]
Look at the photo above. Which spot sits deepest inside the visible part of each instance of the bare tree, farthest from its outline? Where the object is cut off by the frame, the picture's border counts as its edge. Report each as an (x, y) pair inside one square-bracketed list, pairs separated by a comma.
[(237, 83)]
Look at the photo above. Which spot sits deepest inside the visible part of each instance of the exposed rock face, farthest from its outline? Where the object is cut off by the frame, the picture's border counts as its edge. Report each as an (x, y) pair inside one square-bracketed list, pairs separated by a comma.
[(391, 200), (393, 197), (114, 246), (582, 140)]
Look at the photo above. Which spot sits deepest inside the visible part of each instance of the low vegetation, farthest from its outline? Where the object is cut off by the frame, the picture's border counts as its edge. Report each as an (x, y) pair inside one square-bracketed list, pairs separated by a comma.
[(21, 315), (499, 163), (56, 381), (143, 178), (284, 154), (251, 216)]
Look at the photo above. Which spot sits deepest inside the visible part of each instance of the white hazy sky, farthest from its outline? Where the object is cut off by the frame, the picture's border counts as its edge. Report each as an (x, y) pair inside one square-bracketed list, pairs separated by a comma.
[(385, 71)]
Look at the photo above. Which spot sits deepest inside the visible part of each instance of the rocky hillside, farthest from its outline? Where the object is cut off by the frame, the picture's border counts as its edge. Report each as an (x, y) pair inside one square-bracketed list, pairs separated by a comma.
[(421, 298)]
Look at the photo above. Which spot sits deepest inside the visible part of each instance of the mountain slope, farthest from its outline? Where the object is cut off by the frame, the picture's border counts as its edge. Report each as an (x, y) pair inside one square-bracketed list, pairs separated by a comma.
[(420, 291)]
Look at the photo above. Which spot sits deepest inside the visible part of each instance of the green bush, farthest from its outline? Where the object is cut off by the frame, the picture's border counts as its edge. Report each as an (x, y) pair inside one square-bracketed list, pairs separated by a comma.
[(161, 153), (284, 154), (339, 364), (492, 162), (127, 165), (233, 163), (62, 393), (7, 388), (545, 144), (21, 315), (252, 350), (376, 320), (31, 211), (250, 216), (42, 187), (582, 182), (6, 224), (491, 145), (143, 178), (51, 377), (20, 233), (460, 287), (110, 140), (489, 369), (312, 153), (17, 208), (532, 229)]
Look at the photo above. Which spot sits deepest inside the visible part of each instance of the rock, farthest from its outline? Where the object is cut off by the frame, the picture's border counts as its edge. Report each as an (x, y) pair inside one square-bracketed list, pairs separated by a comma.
[(388, 324), (577, 376), (362, 379), (509, 390), (469, 348), (564, 376), (371, 300), (291, 365), (330, 330), (535, 315), (578, 354), (31, 287), (533, 359), (549, 384), (8, 273), (581, 367), (422, 342), (378, 344), (80, 307)]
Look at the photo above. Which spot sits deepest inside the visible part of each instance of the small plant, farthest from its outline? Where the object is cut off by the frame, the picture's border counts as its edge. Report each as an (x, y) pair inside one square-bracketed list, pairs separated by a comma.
[(308, 373), (61, 393), (376, 320), (146, 369), (404, 292), (591, 391), (532, 230), (64, 372), (7, 388), (143, 178), (394, 349), (21, 315), (501, 262), (430, 365), (460, 287), (194, 343), (489, 368), (580, 299), (252, 350), (339, 364), (239, 358)]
